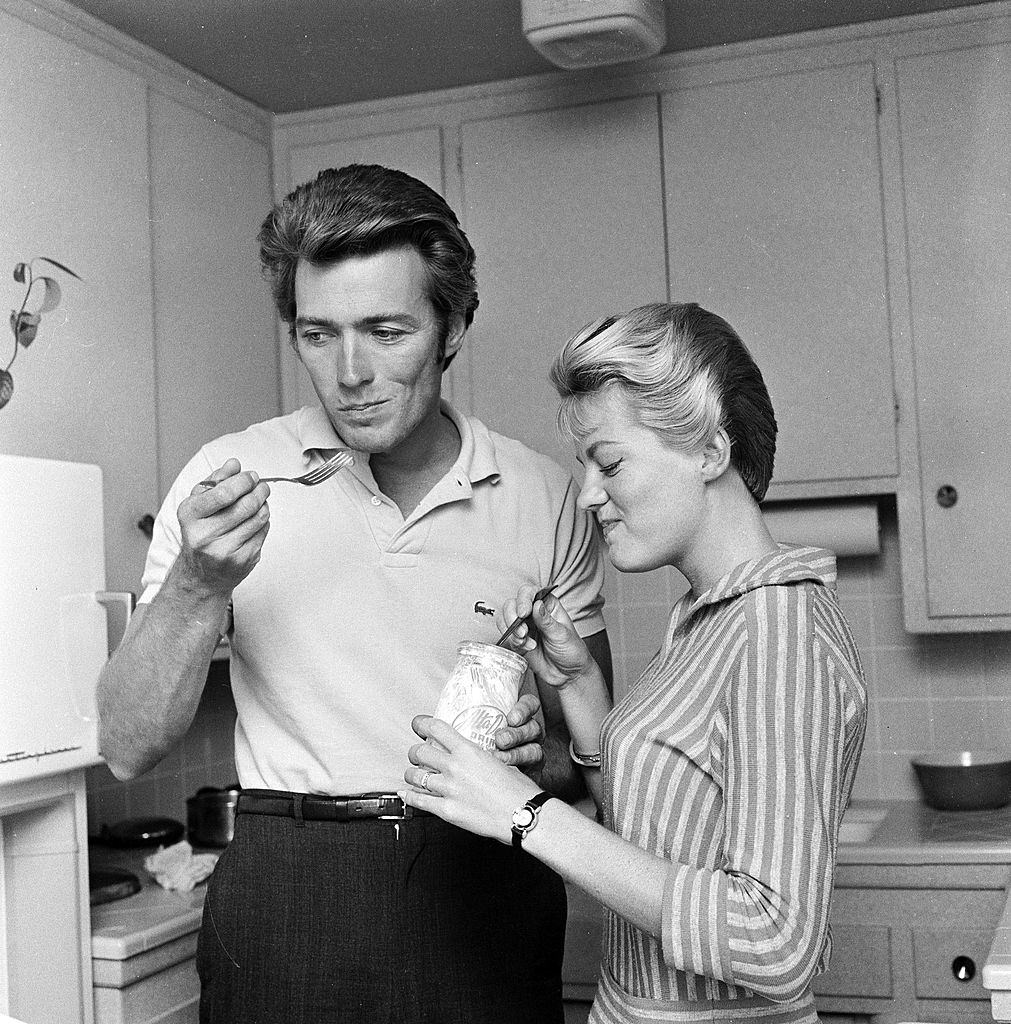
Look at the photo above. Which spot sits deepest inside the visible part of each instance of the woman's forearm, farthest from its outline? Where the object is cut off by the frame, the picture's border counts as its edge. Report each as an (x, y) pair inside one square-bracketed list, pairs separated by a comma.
[(622, 876)]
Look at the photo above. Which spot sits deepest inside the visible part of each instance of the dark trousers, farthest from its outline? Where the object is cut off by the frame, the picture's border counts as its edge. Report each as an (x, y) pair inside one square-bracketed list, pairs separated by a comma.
[(378, 922)]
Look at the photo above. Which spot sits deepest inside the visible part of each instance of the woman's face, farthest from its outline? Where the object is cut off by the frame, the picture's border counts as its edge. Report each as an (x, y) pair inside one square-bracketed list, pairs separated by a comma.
[(648, 498)]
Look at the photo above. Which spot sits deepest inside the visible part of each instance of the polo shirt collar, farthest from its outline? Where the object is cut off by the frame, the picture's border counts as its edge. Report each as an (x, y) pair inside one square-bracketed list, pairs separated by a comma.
[(315, 432), (476, 461)]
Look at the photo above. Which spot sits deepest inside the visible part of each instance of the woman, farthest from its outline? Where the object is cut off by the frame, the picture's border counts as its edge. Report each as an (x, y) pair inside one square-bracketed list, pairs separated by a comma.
[(722, 776)]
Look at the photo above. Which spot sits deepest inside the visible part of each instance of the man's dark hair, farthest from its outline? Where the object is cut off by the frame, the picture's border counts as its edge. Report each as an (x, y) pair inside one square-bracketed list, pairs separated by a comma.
[(362, 210)]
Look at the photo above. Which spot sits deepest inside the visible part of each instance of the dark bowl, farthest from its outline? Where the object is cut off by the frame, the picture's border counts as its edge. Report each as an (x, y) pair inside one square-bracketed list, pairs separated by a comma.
[(968, 780)]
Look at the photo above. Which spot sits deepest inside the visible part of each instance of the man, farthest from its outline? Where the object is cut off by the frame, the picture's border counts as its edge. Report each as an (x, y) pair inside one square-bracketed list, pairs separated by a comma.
[(344, 604)]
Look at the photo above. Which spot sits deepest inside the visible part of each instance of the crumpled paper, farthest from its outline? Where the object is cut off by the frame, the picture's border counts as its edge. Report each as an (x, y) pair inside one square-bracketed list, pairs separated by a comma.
[(178, 867)]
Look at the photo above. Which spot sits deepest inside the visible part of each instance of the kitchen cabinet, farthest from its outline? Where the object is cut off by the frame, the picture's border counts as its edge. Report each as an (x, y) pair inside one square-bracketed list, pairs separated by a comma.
[(841, 197), (774, 220), (215, 340), (75, 165), (155, 201), (917, 900), (955, 128), (910, 942), (565, 211)]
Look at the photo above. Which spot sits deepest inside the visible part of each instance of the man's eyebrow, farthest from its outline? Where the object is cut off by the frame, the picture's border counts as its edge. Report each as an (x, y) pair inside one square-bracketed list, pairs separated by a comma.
[(314, 321), (396, 316), (366, 321)]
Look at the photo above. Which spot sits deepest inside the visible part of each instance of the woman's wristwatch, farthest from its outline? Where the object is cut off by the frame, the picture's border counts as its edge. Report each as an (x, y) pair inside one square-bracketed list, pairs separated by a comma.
[(525, 818)]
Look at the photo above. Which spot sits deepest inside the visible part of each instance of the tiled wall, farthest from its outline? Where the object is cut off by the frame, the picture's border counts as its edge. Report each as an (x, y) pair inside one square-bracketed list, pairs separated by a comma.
[(939, 692), (204, 758)]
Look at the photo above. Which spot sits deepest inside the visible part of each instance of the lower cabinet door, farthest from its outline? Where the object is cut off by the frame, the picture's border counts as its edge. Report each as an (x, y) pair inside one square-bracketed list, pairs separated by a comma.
[(861, 963), (949, 963), (171, 996)]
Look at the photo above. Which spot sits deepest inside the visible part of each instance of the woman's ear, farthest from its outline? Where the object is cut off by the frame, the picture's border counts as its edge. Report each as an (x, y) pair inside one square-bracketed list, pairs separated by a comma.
[(716, 457)]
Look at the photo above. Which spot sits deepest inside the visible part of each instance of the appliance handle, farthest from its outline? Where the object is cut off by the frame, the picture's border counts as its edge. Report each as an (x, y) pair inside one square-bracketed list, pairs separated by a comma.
[(126, 599)]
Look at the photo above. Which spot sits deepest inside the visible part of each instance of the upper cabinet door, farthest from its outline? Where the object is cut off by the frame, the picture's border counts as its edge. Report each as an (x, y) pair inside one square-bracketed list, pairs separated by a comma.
[(216, 354), (956, 159), (75, 189), (564, 209), (417, 152), (774, 220)]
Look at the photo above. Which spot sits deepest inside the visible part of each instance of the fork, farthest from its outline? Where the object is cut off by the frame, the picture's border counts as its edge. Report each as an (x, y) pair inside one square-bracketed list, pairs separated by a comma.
[(338, 461)]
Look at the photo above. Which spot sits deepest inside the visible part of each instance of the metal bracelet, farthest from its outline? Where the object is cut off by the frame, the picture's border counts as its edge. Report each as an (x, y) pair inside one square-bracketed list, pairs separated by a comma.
[(584, 760)]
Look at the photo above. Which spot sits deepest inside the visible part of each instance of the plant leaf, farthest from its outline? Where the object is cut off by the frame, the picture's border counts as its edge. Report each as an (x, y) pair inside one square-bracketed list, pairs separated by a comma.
[(6, 387), (60, 266), (26, 326), (51, 298), (19, 272)]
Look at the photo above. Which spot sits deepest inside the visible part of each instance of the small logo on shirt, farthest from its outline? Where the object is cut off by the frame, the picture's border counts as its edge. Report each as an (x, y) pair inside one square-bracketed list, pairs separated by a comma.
[(482, 609)]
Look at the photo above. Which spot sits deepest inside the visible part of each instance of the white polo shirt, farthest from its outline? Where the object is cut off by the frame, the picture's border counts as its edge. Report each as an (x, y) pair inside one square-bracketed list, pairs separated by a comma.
[(348, 625)]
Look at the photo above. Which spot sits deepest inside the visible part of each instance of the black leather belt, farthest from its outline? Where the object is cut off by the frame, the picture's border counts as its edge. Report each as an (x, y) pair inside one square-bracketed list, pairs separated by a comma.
[(325, 808)]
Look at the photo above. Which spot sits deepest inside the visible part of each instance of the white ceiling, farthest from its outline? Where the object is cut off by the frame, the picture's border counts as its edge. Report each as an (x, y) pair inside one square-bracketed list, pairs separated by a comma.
[(287, 55)]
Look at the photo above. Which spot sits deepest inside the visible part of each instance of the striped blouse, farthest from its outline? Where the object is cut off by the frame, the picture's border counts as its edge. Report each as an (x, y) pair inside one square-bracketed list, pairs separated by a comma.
[(733, 758)]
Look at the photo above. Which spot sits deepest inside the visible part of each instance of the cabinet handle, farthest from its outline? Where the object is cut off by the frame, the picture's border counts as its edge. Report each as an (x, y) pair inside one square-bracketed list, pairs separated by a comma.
[(946, 496), (146, 525), (963, 968)]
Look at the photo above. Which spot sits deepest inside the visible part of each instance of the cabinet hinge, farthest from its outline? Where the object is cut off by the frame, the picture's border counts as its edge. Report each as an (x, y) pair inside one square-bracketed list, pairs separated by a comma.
[(459, 159), (898, 408), (877, 99)]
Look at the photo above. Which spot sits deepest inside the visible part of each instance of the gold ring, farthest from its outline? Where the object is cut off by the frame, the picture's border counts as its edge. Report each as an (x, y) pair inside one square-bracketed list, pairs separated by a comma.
[(424, 781)]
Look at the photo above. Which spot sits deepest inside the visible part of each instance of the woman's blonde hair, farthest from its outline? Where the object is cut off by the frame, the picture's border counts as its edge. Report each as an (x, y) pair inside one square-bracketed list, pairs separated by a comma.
[(687, 374)]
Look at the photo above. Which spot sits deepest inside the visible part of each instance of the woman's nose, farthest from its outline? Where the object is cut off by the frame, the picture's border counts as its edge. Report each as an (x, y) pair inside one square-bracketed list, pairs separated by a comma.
[(591, 494)]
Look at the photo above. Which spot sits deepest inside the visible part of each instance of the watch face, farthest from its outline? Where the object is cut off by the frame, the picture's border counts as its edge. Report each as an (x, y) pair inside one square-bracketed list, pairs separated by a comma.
[(523, 817)]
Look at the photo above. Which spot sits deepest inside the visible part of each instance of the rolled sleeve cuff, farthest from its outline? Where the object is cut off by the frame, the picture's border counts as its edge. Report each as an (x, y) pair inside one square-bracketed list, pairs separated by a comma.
[(693, 927)]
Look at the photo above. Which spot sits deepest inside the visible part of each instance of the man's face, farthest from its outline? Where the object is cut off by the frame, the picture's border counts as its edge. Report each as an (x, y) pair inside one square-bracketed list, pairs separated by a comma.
[(369, 339)]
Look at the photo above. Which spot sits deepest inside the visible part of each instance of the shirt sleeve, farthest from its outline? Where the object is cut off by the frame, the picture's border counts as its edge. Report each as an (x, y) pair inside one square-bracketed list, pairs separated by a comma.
[(761, 921), (578, 568)]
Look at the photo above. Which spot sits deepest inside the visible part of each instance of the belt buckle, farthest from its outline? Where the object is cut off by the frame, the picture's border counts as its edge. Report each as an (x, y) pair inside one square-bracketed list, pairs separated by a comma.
[(404, 809)]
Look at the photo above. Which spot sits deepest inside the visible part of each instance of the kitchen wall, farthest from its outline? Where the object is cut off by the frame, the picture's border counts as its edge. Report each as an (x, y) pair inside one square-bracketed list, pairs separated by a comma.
[(204, 758), (926, 692), (938, 692)]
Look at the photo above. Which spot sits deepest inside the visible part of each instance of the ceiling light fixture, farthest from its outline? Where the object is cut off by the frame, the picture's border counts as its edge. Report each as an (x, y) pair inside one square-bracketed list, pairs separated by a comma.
[(588, 33)]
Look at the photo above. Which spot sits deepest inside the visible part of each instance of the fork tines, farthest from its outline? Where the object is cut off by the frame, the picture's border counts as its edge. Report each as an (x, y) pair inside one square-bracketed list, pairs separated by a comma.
[(336, 462)]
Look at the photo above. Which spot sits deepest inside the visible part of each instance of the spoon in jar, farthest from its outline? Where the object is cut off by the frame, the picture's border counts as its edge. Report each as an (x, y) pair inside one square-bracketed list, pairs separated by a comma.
[(515, 624)]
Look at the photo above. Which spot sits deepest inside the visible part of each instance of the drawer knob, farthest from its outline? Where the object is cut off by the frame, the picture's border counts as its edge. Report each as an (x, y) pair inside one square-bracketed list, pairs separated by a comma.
[(963, 968), (946, 496)]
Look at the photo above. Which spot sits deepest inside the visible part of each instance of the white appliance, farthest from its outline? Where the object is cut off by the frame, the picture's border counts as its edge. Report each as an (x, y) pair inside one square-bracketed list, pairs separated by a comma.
[(588, 33), (53, 643)]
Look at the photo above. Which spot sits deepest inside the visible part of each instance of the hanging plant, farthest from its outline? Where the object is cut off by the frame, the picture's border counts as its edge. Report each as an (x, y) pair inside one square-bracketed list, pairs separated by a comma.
[(25, 322)]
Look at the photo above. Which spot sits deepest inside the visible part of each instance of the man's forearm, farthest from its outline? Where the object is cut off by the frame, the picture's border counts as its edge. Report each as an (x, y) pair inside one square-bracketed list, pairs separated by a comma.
[(149, 691), (556, 773)]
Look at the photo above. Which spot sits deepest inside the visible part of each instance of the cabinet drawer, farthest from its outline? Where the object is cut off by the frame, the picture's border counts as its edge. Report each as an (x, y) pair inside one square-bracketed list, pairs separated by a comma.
[(941, 955), (168, 997), (861, 964)]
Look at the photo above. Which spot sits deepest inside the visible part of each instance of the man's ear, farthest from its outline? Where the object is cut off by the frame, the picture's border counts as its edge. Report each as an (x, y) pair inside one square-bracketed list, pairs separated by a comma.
[(455, 333), (716, 457)]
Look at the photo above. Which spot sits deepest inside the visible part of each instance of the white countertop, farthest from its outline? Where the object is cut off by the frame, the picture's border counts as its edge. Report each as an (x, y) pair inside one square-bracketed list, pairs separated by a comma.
[(147, 919), (908, 832)]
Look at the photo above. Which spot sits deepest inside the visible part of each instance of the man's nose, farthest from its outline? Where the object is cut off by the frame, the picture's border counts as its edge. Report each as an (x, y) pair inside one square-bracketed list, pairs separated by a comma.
[(355, 364)]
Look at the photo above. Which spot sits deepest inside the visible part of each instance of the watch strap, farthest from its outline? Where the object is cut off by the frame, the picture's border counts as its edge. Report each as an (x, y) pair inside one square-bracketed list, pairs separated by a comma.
[(533, 805)]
